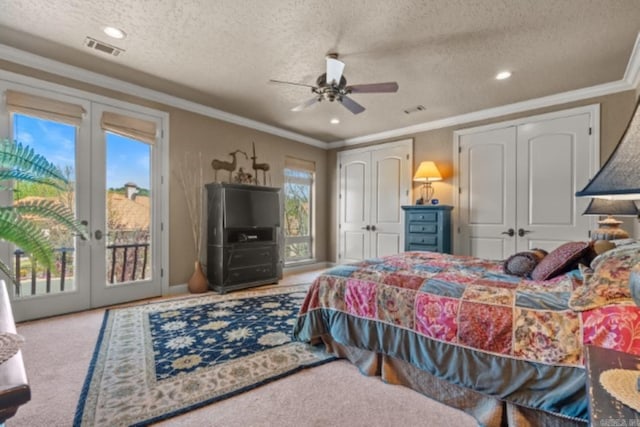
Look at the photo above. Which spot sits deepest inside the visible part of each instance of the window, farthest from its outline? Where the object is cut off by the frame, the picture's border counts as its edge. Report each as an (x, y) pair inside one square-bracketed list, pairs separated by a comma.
[(298, 210)]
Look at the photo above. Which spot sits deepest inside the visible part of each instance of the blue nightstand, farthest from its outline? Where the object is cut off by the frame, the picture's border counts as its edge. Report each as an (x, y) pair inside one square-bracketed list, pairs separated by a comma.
[(427, 228)]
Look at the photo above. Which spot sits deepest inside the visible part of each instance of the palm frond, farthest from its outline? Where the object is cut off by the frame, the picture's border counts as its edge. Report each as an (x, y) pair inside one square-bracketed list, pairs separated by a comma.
[(52, 210), (19, 175), (14, 155), (26, 235)]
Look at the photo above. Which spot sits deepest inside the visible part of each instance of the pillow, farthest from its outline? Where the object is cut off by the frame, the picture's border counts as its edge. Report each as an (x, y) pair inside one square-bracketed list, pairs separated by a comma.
[(560, 260), (609, 282), (523, 263)]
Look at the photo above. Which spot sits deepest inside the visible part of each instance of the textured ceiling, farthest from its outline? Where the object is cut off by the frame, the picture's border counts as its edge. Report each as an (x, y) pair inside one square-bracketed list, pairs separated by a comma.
[(444, 54)]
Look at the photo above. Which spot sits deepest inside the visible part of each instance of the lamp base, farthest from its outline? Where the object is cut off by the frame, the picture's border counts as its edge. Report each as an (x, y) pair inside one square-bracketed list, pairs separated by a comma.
[(609, 229)]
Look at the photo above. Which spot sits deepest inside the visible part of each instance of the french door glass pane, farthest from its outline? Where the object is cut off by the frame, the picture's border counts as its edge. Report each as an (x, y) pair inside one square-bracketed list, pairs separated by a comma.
[(128, 215), (57, 143)]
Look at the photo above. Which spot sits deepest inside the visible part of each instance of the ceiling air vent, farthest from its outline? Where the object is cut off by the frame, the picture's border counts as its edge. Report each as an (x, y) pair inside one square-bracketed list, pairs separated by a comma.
[(102, 47), (414, 109)]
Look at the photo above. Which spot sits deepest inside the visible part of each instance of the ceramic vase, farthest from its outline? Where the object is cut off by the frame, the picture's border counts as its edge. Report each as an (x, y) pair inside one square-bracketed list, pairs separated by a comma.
[(198, 281)]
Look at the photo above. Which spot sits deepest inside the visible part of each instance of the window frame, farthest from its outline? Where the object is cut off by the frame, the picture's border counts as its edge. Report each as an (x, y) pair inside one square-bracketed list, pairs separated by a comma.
[(310, 239)]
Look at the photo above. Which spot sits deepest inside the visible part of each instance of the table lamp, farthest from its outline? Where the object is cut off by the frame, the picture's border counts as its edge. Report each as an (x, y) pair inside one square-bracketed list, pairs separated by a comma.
[(619, 179), (427, 172), (609, 228)]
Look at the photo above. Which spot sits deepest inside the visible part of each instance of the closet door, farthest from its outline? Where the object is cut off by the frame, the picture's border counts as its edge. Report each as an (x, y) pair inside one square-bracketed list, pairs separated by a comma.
[(517, 183), (355, 200), (487, 193), (553, 163), (373, 184)]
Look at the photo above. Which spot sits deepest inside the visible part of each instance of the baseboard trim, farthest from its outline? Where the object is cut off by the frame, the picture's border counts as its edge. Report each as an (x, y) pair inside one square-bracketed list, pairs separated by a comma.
[(307, 267)]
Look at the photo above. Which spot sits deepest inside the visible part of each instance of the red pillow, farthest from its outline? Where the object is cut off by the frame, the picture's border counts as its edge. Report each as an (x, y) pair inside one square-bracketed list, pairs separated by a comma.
[(560, 260)]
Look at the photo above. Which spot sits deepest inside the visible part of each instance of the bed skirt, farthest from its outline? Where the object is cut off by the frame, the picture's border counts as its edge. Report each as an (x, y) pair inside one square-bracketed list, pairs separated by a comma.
[(488, 411)]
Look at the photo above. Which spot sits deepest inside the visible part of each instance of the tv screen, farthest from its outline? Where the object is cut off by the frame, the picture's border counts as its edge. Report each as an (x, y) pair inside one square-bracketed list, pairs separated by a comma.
[(251, 208)]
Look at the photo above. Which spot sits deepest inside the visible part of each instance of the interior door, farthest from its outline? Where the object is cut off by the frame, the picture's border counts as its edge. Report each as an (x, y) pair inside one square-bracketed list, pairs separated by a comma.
[(355, 201), (553, 163), (487, 206), (390, 179), (373, 185), (517, 185)]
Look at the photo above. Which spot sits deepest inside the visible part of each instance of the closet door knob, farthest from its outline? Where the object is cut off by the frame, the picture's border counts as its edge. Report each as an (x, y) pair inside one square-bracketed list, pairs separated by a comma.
[(366, 228), (373, 228), (510, 232), (522, 232)]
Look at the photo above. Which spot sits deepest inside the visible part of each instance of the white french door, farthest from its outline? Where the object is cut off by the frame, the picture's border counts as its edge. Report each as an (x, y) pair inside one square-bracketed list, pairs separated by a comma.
[(114, 187), (517, 183), (373, 185)]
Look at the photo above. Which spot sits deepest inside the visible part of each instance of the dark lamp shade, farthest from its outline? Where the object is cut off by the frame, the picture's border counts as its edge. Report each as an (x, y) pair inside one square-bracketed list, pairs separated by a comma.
[(611, 207), (619, 178)]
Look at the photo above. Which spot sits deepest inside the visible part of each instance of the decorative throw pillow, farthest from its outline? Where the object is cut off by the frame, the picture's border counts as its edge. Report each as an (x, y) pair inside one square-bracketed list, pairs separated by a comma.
[(523, 263), (560, 260), (609, 282)]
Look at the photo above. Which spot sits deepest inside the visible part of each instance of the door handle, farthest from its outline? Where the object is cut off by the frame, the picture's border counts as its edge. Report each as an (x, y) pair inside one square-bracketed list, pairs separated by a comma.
[(98, 234), (373, 228), (86, 224), (510, 232), (522, 232), (368, 227)]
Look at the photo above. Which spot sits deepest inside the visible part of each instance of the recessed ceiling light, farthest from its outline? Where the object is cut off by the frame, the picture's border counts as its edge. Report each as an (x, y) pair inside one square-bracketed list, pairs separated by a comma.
[(334, 121), (114, 32), (503, 75)]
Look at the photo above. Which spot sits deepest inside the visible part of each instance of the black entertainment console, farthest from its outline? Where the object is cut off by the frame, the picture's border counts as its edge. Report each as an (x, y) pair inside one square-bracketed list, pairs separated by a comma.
[(243, 236)]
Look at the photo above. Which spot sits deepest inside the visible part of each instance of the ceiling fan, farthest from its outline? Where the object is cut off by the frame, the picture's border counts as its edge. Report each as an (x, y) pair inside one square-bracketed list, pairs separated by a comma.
[(332, 86)]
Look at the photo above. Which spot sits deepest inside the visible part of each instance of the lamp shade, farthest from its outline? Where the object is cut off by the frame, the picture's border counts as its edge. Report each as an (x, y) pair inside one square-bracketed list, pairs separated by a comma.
[(619, 178), (611, 207), (427, 171)]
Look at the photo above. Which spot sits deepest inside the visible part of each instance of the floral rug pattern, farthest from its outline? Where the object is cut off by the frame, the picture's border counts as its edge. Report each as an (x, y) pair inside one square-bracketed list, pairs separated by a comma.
[(158, 360)]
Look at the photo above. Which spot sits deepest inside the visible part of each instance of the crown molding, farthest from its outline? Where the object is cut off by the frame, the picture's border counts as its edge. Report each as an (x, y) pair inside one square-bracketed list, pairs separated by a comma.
[(76, 73), (490, 113)]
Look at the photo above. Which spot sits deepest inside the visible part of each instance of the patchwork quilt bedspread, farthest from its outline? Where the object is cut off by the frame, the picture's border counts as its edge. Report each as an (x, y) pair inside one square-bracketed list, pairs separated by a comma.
[(465, 321)]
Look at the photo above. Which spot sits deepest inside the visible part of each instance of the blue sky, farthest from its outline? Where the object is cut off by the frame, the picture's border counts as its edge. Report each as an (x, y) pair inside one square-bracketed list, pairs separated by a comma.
[(127, 159)]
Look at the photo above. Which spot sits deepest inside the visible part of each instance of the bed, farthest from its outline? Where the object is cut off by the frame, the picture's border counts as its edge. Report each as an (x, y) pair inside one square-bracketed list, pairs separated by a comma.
[(506, 349)]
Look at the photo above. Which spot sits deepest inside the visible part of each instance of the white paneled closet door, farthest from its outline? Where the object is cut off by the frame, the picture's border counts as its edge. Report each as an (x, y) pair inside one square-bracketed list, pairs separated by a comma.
[(517, 183), (373, 184), (487, 205), (553, 163)]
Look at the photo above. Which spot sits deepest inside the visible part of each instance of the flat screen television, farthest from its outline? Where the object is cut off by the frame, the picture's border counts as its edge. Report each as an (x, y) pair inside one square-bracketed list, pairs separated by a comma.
[(251, 207)]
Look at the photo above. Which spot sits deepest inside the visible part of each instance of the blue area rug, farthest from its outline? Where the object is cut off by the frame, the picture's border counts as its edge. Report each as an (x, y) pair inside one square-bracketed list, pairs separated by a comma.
[(159, 360)]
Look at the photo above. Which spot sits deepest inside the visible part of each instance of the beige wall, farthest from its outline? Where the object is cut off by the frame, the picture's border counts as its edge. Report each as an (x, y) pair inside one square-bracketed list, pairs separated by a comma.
[(437, 145), (214, 139)]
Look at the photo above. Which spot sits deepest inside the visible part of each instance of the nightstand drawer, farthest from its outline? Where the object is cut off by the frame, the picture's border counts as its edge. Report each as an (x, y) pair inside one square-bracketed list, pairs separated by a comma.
[(414, 247), (423, 216), (423, 228), (425, 239)]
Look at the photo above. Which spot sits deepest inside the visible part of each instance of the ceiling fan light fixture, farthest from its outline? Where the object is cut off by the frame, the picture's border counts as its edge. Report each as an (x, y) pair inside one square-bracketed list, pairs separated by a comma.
[(114, 32), (503, 75)]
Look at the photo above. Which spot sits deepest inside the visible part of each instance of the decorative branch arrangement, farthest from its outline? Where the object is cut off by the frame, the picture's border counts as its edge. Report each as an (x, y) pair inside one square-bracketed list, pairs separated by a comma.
[(191, 180)]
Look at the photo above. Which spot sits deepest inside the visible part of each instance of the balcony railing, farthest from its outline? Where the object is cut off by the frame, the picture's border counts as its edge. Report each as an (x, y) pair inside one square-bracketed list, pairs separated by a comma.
[(125, 263)]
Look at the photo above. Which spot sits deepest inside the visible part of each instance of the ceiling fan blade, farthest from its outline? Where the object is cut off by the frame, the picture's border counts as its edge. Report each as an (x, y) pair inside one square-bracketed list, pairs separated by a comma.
[(290, 83), (351, 105), (374, 88), (334, 70), (306, 104)]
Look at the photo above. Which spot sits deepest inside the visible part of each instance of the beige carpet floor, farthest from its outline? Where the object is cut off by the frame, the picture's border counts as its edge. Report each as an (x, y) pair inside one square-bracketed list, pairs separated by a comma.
[(58, 350)]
